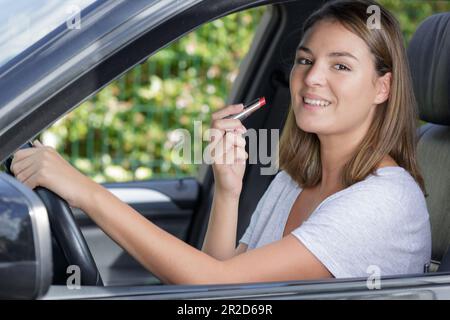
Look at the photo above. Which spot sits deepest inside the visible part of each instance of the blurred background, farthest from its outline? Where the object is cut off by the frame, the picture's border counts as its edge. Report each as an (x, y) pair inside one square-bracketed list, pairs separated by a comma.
[(127, 131)]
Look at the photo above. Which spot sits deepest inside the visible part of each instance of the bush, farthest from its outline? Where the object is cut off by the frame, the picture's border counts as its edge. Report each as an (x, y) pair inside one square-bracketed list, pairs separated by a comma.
[(126, 131)]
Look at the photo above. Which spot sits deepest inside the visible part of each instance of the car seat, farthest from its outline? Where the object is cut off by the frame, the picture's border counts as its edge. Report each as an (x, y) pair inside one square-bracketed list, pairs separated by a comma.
[(429, 59)]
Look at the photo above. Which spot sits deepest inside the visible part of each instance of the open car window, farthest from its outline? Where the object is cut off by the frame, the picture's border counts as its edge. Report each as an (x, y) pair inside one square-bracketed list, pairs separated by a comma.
[(128, 131), (124, 134)]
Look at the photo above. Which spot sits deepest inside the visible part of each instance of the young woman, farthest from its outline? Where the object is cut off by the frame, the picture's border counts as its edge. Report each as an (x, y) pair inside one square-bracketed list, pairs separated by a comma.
[(349, 200)]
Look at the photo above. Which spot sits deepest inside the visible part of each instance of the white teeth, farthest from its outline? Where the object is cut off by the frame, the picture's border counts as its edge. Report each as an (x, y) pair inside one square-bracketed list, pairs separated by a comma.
[(322, 103)]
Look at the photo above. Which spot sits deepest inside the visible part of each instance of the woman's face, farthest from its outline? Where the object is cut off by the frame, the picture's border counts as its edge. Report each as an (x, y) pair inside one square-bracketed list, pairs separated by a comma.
[(334, 85)]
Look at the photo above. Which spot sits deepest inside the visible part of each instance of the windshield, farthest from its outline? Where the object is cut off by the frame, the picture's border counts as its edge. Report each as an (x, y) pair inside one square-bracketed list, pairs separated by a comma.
[(24, 22)]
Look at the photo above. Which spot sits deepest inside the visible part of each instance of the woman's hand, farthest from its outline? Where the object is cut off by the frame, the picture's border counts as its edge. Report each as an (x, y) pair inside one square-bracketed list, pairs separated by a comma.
[(43, 166), (228, 151)]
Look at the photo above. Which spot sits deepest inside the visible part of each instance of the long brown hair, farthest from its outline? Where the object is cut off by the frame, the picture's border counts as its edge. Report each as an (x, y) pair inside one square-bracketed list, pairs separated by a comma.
[(393, 129)]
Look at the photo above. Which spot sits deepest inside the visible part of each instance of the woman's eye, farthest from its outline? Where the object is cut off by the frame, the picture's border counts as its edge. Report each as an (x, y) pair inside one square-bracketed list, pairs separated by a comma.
[(303, 61), (341, 67)]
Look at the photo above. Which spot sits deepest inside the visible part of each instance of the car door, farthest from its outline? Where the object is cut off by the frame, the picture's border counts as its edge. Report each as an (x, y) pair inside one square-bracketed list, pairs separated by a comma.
[(138, 163), (52, 77), (59, 71)]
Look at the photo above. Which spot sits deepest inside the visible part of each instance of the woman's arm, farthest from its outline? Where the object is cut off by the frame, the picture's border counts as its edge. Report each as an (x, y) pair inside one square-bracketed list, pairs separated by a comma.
[(175, 262), (166, 256), (220, 238)]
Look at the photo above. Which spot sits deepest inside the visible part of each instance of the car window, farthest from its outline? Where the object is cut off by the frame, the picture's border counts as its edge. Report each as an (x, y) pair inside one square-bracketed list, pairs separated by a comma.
[(27, 21), (128, 130)]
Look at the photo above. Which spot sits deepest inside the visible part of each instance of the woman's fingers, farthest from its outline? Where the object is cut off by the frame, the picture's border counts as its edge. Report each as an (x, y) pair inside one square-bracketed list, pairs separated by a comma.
[(32, 181), (226, 124), (239, 153), (228, 110), (232, 156), (23, 153), (229, 148), (219, 125), (28, 164), (25, 176), (43, 166), (226, 142), (24, 157), (17, 166), (37, 143), (235, 139)]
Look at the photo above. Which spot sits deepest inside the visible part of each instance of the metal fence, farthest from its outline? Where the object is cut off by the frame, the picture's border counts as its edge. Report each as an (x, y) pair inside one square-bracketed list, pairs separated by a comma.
[(129, 129)]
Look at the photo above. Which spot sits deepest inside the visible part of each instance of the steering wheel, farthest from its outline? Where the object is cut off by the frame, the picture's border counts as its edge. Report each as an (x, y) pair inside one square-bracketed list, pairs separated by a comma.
[(67, 234)]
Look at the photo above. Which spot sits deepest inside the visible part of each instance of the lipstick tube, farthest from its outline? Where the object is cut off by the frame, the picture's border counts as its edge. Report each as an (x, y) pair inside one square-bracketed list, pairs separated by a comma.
[(248, 109)]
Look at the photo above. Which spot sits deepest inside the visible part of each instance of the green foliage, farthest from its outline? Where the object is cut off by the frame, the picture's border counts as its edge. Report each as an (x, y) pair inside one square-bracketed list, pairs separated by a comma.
[(410, 13), (127, 131)]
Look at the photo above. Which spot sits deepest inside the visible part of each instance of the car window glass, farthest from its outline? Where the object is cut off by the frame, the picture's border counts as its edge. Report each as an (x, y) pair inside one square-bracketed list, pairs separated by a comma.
[(128, 131), (27, 21)]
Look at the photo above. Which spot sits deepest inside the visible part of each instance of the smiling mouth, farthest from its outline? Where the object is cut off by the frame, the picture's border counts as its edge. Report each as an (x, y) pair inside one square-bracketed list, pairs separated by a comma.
[(316, 102)]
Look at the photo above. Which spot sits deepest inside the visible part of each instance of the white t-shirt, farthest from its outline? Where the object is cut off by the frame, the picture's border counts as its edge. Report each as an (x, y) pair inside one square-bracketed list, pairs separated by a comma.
[(379, 224)]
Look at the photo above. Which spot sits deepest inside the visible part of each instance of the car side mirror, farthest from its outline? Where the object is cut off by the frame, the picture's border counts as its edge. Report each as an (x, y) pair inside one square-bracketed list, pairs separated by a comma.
[(25, 242)]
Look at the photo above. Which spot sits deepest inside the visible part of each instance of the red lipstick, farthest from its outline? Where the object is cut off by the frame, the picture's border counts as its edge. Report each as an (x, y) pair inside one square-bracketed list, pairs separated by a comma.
[(249, 108)]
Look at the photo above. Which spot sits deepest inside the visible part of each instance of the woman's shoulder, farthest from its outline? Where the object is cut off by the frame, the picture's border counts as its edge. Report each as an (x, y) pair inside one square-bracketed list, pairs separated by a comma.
[(281, 183), (282, 178), (390, 188), (394, 178)]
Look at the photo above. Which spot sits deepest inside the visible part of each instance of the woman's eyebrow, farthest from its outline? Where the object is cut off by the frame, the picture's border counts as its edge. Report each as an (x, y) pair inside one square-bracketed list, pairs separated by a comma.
[(302, 48), (342, 54), (331, 54)]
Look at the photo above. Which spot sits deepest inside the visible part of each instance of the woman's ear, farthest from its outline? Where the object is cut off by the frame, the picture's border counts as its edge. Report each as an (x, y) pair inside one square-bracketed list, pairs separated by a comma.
[(383, 88)]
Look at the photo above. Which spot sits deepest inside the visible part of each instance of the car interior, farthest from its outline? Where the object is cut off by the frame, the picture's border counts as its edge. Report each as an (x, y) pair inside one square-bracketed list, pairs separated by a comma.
[(181, 205), (430, 67), (268, 61)]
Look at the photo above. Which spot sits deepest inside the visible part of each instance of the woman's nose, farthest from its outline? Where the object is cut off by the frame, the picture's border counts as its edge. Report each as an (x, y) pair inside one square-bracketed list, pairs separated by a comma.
[(315, 76)]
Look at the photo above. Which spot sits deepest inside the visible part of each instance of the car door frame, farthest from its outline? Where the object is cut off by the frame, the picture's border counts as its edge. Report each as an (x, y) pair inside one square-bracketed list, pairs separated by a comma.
[(120, 47), (420, 286), (21, 120), (59, 72)]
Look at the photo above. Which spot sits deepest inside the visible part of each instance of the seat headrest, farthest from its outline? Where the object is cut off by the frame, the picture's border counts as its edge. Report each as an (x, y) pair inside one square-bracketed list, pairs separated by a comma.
[(429, 60)]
